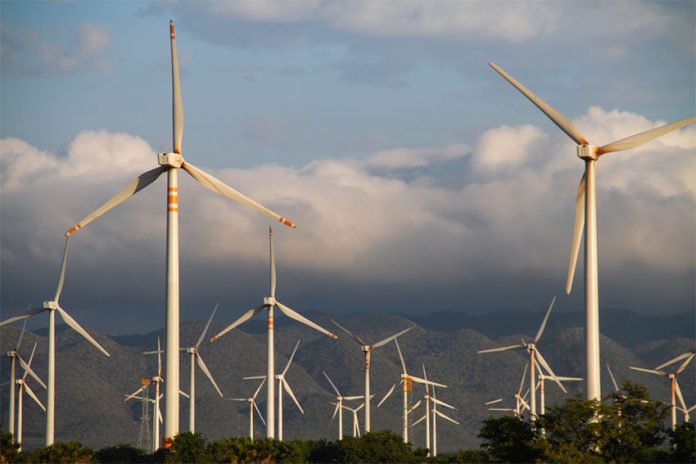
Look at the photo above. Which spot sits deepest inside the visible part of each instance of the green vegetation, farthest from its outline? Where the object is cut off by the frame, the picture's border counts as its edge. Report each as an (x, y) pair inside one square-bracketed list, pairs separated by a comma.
[(626, 427)]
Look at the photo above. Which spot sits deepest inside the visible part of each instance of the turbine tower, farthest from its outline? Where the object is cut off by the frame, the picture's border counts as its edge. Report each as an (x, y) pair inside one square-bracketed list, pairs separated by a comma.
[(52, 307), (197, 359), (269, 303), (586, 213), (171, 163), (367, 350), (534, 357)]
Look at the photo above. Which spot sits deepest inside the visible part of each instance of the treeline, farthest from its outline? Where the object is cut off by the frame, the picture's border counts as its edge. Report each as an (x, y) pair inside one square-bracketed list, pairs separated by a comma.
[(626, 427)]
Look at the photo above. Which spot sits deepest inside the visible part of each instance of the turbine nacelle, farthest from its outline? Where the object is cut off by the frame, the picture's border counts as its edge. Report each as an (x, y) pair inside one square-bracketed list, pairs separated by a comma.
[(588, 152), (53, 305), (170, 160), (269, 301), (191, 350), (11, 354)]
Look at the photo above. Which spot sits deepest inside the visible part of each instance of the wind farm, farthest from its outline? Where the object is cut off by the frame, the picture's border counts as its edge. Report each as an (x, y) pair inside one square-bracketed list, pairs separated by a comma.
[(445, 250)]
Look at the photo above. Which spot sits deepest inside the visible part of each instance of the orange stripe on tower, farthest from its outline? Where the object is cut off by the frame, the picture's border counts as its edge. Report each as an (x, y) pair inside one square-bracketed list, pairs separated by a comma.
[(173, 199), (270, 322), (172, 189)]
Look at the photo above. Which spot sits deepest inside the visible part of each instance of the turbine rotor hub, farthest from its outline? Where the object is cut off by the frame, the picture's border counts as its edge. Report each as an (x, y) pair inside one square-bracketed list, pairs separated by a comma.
[(170, 160), (269, 301), (50, 305), (588, 152)]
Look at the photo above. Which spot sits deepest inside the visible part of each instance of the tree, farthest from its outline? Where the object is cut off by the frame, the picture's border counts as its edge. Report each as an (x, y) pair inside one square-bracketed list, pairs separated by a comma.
[(70, 452), (509, 439), (683, 440), (9, 450), (188, 447), (122, 453)]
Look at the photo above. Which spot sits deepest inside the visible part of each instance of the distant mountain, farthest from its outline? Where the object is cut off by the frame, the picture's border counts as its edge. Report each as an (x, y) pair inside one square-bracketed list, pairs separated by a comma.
[(90, 386)]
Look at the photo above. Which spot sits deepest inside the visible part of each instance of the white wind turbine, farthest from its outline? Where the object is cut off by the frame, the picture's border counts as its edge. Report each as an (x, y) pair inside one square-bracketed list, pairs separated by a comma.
[(339, 405), (22, 385), (672, 376), (282, 385), (542, 377), (171, 163), (367, 350), (586, 212), (534, 357), (14, 357), (196, 359), (52, 307), (407, 383), (432, 446), (143, 394), (252, 407), (356, 423), (520, 400), (269, 303)]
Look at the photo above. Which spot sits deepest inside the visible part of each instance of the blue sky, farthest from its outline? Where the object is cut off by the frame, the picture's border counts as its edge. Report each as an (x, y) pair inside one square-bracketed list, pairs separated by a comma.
[(419, 178)]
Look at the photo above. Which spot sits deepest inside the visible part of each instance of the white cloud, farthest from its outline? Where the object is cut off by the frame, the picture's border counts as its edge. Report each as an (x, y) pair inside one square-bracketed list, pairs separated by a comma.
[(358, 222)]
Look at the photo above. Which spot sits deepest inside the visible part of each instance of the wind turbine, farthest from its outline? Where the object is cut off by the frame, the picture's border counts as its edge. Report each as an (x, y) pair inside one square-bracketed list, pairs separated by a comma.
[(407, 382), (157, 380), (428, 399), (586, 212), (520, 400), (196, 359), (282, 385), (171, 163), (672, 376), (22, 382), (339, 405), (555, 378), (52, 307), (367, 350), (534, 357), (14, 357), (356, 424), (269, 303), (252, 407)]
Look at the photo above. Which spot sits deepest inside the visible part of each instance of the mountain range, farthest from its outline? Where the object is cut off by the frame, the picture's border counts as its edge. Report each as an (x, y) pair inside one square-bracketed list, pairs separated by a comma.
[(91, 387)]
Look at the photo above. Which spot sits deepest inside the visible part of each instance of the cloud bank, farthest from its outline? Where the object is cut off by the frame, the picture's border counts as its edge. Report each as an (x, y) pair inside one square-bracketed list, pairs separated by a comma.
[(404, 229)]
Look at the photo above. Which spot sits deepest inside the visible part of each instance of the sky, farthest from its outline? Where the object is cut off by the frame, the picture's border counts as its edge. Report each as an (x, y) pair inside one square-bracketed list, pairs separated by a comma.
[(420, 180)]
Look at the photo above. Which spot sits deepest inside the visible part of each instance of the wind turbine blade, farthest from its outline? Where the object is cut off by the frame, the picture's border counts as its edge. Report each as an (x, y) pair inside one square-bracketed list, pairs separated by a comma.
[(389, 392), (561, 121), (338, 393), (207, 326), (286, 385), (418, 421), (26, 315), (274, 279), (578, 228), (333, 416), (256, 393), (487, 403), (219, 187), (355, 397), (159, 416), (543, 324), (207, 373), (524, 376), (135, 393), (645, 137), (546, 367), (524, 403), (61, 276), (359, 408), (414, 407), (442, 403), (613, 380), (401, 357), (287, 366), (393, 337), (426, 382), (255, 377), (355, 337), (177, 105), (245, 317), (21, 334), (33, 396), (446, 417), (28, 370), (184, 394), (131, 189), (259, 413), (677, 359), (684, 364), (501, 348), (159, 358), (425, 376), (77, 328), (298, 317), (649, 371), (679, 395)]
